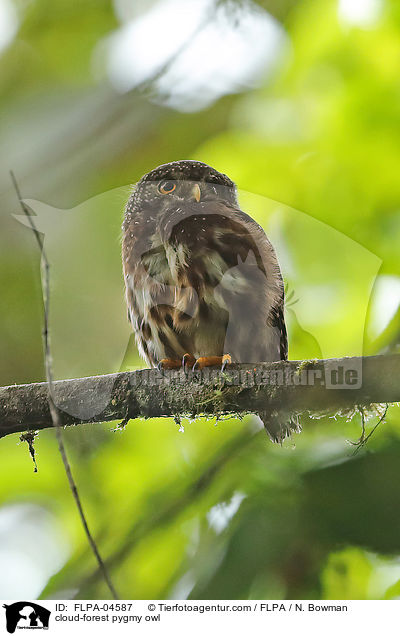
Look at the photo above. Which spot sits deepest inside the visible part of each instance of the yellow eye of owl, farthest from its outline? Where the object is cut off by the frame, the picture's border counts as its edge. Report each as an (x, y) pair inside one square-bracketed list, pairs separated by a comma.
[(166, 187)]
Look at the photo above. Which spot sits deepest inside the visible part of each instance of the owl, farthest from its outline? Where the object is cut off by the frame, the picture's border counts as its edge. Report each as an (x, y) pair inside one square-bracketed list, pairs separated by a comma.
[(202, 281)]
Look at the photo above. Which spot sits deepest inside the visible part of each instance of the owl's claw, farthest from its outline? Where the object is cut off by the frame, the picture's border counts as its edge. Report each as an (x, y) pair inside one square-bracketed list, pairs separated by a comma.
[(188, 361), (226, 359), (159, 367), (212, 361), (168, 363)]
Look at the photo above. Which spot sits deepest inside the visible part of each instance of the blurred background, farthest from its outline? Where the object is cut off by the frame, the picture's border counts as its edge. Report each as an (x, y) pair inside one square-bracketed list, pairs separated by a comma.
[(299, 103)]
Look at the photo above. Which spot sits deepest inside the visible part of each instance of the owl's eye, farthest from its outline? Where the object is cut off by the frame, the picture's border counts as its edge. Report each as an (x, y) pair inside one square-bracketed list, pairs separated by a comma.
[(166, 187)]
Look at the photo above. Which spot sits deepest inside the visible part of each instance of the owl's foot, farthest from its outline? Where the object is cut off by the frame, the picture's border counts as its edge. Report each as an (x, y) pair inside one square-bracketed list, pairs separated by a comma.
[(213, 361), (168, 363), (188, 361)]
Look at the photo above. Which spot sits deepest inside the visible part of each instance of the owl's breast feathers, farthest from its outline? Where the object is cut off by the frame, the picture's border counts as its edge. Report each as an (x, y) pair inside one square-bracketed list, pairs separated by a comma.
[(203, 279)]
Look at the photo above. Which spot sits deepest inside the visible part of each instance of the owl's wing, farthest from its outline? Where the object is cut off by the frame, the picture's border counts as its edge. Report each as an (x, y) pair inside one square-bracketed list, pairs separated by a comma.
[(228, 260), (276, 316)]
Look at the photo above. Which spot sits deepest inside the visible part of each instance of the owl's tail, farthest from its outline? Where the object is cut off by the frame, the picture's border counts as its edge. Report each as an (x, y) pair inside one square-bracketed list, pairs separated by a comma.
[(279, 426)]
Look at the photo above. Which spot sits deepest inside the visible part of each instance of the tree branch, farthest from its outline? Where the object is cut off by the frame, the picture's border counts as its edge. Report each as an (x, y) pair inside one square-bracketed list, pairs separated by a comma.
[(313, 386)]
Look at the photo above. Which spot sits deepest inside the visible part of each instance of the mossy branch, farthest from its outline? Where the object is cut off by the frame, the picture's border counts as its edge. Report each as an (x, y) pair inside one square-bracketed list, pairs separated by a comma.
[(312, 386)]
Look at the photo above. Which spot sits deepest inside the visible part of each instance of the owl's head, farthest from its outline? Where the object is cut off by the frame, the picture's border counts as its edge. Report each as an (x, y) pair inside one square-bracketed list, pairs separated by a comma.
[(179, 182)]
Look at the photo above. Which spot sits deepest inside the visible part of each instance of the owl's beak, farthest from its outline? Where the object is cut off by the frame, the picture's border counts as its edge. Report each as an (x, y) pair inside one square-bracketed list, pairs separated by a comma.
[(196, 192)]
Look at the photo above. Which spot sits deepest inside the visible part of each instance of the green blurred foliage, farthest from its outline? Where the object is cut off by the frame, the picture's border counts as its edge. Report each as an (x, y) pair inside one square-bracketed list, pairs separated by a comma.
[(216, 511)]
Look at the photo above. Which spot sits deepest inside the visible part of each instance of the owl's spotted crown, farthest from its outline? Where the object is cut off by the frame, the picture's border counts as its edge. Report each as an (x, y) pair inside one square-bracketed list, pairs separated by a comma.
[(188, 170)]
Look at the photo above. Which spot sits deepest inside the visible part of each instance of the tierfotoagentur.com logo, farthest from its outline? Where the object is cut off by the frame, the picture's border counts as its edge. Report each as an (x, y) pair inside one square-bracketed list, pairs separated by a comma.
[(26, 615)]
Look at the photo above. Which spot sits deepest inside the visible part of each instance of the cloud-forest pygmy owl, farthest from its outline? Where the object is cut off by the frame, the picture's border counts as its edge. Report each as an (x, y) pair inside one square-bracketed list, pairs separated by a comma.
[(203, 284)]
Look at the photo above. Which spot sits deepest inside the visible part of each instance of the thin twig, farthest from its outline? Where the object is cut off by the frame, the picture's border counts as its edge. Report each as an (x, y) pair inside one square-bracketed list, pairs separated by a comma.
[(55, 416), (363, 440)]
